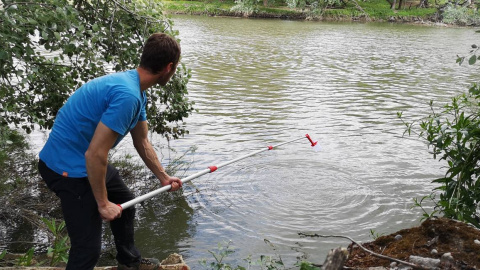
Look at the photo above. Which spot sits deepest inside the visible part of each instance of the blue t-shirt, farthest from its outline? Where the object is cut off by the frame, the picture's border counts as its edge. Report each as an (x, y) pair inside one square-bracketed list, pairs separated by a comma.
[(116, 100)]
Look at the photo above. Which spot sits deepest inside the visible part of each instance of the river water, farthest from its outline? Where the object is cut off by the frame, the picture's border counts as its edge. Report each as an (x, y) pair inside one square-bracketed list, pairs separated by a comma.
[(262, 82)]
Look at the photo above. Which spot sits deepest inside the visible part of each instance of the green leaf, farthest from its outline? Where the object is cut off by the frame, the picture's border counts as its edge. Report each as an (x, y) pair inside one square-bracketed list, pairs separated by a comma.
[(45, 35), (2, 255), (3, 55), (57, 35), (31, 21), (472, 60)]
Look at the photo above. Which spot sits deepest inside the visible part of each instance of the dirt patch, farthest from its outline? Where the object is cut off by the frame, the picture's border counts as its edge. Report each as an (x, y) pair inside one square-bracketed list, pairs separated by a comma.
[(432, 239)]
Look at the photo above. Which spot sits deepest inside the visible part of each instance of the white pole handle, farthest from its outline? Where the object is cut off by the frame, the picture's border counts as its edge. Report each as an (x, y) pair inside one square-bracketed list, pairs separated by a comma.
[(198, 174)]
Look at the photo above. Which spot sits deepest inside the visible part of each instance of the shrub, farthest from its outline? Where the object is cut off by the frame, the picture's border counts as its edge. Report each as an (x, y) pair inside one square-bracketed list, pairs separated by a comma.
[(454, 135), (460, 15)]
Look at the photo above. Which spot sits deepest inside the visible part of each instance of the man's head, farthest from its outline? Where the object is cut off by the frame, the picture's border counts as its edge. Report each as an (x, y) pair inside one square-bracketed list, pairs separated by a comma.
[(158, 52)]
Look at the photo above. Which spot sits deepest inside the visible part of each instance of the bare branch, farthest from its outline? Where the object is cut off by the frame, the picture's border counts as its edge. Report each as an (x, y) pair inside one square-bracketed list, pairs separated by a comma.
[(414, 266)]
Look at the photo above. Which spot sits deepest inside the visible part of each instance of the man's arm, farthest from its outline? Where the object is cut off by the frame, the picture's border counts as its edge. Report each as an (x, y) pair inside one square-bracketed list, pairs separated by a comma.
[(149, 156), (97, 159)]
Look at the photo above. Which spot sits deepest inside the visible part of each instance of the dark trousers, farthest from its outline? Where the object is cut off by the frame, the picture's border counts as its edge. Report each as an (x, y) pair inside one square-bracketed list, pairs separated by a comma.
[(83, 221)]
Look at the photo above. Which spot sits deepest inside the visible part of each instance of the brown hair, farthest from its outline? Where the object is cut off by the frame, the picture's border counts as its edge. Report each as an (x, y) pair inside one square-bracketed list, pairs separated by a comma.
[(159, 50)]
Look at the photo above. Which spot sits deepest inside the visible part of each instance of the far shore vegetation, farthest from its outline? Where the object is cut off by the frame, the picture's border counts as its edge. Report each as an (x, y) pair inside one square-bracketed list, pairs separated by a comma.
[(461, 13), (83, 38)]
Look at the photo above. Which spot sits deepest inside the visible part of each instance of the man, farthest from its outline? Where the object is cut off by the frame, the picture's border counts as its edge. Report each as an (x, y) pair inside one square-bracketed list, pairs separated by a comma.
[(73, 162)]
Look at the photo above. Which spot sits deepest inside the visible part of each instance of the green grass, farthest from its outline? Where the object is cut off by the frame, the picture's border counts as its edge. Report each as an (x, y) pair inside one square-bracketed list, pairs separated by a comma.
[(198, 7), (381, 9)]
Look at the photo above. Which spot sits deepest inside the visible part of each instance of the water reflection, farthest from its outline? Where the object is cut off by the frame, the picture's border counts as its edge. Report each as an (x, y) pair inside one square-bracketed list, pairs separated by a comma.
[(163, 224)]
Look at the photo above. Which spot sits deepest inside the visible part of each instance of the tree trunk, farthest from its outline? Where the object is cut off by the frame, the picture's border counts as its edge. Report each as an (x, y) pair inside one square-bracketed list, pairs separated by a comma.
[(423, 4)]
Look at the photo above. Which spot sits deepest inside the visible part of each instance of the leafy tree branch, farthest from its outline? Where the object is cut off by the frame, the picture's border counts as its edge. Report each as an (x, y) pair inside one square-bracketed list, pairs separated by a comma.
[(46, 53), (453, 135)]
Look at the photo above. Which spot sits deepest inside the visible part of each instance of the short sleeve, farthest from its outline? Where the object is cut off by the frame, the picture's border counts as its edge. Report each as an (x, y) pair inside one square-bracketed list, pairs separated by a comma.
[(121, 111), (143, 112)]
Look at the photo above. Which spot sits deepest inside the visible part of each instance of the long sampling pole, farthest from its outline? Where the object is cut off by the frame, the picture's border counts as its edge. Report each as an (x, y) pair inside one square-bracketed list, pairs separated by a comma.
[(210, 169)]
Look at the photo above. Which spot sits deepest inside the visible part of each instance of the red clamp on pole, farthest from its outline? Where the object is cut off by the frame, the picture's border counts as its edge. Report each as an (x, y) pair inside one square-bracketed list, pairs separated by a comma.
[(270, 147), (310, 139), (213, 168)]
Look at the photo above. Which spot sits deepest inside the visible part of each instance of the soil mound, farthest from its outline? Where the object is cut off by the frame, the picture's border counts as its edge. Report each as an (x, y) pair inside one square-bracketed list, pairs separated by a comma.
[(432, 239)]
